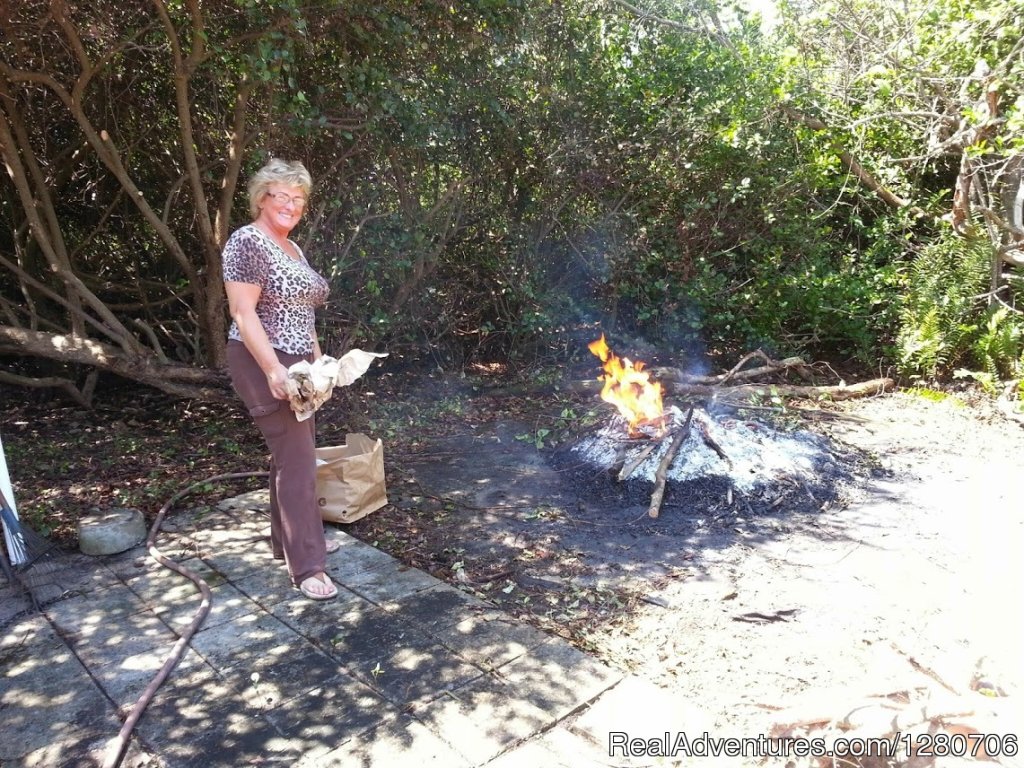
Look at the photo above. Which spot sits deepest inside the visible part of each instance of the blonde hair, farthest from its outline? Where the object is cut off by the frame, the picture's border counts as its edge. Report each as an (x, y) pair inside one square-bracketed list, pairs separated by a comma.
[(293, 174)]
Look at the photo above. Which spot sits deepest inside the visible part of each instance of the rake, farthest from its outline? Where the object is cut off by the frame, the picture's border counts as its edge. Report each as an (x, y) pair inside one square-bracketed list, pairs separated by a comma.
[(25, 546)]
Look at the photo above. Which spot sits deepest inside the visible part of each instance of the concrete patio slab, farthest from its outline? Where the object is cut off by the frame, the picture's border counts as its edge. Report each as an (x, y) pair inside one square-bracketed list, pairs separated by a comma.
[(399, 670)]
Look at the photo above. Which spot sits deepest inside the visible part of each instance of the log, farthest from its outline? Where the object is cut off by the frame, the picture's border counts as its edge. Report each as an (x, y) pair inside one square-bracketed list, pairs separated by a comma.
[(660, 478), (732, 394)]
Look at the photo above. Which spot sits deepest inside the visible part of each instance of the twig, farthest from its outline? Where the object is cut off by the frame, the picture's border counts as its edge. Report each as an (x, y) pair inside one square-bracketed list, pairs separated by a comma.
[(743, 361), (660, 477), (924, 669)]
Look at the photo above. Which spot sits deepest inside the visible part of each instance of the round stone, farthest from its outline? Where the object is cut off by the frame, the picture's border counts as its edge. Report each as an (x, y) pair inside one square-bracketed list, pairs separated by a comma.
[(108, 533)]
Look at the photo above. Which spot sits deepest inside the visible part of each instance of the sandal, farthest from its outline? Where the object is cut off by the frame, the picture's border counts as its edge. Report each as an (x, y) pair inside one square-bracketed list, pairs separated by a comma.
[(309, 585), (332, 546)]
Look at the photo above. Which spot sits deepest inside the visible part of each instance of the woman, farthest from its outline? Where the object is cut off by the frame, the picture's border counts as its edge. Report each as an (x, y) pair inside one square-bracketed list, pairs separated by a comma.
[(272, 292)]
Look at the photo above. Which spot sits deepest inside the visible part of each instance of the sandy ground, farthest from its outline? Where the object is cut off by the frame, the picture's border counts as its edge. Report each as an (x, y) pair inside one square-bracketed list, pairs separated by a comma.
[(913, 585)]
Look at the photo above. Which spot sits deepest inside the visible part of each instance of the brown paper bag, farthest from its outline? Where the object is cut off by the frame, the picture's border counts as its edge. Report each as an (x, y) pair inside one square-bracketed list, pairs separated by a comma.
[(350, 479)]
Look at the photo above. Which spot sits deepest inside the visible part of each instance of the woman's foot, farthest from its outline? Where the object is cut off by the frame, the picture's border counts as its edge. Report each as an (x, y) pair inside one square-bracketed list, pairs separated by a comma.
[(319, 587), (332, 545)]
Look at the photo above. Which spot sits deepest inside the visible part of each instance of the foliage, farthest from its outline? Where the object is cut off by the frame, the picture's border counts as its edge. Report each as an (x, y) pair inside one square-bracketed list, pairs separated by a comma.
[(494, 180), (924, 94), (998, 351)]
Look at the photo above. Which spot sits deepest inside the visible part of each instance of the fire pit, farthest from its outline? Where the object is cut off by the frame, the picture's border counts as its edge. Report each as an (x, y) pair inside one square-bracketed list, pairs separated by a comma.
[(745, 455), (698, 458)]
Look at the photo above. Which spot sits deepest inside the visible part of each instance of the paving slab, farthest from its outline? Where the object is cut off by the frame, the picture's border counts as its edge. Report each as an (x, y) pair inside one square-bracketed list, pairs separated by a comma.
[(484, 718), (14, 601), (390, 582), (435, 608), (45, 692), (325, 718), (557, 678), (489, 639), (399, 743), (400, 670), (254, 640)]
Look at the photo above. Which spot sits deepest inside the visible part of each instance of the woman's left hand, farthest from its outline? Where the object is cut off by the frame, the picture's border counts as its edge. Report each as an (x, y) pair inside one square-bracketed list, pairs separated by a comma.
[(277, 380)]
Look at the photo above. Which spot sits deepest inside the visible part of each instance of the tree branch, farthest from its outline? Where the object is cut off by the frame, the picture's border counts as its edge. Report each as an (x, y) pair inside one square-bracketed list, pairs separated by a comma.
[(851, 164), (105, 149), (183, 70), (716, 34), (47, 382), (51, 243)]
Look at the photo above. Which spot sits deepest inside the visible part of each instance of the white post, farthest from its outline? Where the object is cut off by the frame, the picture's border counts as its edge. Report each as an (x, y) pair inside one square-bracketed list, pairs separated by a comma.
[(15, 550)]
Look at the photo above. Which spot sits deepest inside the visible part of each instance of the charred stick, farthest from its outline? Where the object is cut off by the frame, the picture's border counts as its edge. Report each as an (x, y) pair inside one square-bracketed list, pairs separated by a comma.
[(630, 468), (713, 444), (620, 459), (661, 476)]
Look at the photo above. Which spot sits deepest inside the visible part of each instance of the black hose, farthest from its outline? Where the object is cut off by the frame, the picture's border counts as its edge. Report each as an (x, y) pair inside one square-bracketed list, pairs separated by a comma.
[(116, 750)]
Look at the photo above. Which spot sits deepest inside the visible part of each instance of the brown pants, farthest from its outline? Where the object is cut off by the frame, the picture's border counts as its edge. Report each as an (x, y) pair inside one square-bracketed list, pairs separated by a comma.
[(296, 528)]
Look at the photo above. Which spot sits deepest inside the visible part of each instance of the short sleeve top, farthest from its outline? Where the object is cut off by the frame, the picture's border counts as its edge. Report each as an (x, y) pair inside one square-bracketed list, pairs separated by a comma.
[(290, 289)]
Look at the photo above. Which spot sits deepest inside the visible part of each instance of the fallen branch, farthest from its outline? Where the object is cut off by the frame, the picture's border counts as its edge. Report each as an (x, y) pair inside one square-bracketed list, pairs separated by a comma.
[(770, 366), (660, 477), (747, 391), (82, 396), (178, 379)]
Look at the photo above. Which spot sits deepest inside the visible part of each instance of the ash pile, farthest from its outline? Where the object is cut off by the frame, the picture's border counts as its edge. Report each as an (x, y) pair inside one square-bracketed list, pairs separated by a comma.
[(722, 461)]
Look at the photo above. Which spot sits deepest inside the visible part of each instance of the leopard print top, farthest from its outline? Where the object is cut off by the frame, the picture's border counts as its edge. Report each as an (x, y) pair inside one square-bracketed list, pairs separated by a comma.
[(290, 288)]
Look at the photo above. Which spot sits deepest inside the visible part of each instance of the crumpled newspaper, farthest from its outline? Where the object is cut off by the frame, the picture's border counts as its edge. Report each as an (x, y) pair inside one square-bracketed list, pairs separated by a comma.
[(310, 384)]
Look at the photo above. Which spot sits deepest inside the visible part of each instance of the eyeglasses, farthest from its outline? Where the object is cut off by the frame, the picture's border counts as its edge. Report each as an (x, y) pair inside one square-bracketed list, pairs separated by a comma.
[(283, 198)]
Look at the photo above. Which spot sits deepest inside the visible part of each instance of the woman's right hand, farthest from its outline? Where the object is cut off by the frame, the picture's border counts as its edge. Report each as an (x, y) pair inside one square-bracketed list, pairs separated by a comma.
[(277, 379)]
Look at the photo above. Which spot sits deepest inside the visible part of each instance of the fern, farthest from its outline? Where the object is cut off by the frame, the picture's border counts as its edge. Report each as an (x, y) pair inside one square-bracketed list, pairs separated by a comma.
[(942, 313), (922, 346), (998, 349)]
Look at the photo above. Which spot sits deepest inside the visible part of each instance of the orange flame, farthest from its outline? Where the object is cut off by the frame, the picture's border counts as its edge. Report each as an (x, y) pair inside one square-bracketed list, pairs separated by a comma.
[(628, 387)]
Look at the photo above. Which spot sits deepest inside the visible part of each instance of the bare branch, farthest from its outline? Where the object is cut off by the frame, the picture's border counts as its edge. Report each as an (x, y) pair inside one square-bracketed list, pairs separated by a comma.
[(51, 243), (183, 69), (153, 341), (236, 145), (50, 382), (106, 150), (56, 297)]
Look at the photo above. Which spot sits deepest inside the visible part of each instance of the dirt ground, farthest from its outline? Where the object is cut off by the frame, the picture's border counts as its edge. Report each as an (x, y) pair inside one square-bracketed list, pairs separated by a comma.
[(906, 581)]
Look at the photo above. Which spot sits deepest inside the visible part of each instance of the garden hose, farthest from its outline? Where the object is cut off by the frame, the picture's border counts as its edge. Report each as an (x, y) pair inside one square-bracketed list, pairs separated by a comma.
[(118, 747)]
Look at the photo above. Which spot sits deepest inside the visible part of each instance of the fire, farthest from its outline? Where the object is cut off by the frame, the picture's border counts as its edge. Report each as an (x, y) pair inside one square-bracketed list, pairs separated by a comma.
[(629, 388)]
